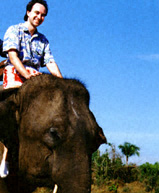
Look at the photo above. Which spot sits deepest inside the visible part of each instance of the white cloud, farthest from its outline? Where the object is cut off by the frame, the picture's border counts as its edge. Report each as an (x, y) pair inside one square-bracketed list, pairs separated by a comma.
[(149, 57)]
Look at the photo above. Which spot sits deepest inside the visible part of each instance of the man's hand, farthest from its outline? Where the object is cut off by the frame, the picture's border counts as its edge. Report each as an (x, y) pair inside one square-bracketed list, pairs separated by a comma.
[(30, 74), (53, 68), (13, 56)]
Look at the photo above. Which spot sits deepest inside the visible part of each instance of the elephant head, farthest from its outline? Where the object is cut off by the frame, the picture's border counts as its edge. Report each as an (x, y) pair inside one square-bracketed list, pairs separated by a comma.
[(57, 134)]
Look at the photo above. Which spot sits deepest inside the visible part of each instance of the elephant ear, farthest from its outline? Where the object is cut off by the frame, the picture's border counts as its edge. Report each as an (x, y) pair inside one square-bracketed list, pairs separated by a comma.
[(6, 93), (10, 97)]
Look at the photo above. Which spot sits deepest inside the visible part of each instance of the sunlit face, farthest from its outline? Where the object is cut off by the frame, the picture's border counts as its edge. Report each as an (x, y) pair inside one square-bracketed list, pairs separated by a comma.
[(37, 14)]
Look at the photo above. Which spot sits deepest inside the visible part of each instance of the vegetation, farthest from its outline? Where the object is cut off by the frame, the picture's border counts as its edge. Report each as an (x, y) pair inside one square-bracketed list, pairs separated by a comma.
[(110, 174), (149, 174), (129, 150)]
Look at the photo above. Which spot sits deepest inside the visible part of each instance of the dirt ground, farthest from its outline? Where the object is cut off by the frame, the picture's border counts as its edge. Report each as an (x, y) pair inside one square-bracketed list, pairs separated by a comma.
[(134, 187)]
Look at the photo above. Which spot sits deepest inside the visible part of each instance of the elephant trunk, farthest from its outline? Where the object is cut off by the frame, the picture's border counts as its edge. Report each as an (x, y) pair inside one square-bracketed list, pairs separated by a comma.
[(72, 174), (82, 185)]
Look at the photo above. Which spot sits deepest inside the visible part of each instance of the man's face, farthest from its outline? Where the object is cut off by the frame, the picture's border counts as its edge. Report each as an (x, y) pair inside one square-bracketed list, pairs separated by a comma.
[(37, 14)]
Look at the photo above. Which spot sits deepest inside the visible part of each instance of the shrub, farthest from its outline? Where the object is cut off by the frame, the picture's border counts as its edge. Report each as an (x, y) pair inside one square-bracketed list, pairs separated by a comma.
[(113, 188), (126, 189), (149, 174)]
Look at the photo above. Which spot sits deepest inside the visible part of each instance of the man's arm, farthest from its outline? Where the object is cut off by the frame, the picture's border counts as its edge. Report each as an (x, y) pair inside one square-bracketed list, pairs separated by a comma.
[(53, 68), (14, 59)]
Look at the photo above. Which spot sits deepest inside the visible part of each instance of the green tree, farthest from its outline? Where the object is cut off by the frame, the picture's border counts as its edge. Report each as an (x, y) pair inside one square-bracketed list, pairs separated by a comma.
[(149, 174), (129, 150)]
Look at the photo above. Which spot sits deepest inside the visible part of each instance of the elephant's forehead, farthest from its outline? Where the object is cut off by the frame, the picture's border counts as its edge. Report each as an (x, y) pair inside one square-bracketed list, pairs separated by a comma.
[(58, 110), (44, 113), (46, 103)]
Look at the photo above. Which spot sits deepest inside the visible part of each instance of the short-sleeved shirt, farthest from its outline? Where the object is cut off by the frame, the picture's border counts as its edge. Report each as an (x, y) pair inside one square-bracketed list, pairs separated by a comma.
[(33, 51)]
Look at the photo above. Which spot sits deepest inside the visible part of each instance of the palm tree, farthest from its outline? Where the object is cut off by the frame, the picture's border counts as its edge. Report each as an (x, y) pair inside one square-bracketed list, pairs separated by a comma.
[(129, 150)]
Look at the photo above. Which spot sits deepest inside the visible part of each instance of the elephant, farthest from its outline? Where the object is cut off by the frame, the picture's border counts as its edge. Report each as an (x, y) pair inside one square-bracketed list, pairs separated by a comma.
[(50, 133)]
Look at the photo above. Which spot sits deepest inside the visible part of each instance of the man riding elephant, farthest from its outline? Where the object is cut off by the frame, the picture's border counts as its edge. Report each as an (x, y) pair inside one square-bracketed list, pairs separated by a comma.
[(27, 49)]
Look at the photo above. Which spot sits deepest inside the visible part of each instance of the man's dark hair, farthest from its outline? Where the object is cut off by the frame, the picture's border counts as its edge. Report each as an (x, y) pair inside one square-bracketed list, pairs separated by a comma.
[(30, 5)]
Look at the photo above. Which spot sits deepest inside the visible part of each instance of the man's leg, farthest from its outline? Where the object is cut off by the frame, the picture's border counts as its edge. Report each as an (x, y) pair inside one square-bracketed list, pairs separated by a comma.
[(3, 163)]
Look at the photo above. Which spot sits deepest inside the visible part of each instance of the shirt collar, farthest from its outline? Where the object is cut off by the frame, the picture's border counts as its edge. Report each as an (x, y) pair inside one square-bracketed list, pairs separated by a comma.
[(25, 28)]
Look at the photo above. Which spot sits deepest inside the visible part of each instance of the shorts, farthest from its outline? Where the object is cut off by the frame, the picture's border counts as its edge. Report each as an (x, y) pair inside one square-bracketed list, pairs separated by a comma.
[(12, 78)]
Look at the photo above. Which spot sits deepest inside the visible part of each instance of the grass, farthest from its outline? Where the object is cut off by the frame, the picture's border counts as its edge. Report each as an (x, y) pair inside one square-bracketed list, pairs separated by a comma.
[(134, 187), (43, 190)]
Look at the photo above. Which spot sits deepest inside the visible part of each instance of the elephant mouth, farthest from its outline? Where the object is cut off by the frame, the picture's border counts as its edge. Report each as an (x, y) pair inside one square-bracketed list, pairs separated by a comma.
[(41, 180)]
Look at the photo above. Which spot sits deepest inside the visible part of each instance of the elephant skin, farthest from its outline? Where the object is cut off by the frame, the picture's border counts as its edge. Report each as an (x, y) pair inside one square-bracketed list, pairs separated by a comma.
[(50, 133)]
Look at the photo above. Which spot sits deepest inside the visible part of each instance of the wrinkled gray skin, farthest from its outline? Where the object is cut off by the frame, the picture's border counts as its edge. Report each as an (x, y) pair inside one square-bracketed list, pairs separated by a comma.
[(57, 134)]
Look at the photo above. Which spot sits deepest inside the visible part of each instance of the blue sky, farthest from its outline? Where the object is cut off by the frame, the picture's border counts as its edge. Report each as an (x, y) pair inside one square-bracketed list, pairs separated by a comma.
[(113, 47)]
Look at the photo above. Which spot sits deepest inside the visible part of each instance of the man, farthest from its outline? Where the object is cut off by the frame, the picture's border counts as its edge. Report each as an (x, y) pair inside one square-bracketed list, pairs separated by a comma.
[(27, 48)]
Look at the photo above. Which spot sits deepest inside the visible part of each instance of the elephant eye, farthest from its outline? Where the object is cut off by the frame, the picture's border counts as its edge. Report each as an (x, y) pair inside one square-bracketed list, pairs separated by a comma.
[(54, 134), (51, 138)]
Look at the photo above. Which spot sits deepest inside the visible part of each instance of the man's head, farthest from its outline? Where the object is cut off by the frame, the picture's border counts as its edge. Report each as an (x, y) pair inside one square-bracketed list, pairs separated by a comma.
[(31, 4)]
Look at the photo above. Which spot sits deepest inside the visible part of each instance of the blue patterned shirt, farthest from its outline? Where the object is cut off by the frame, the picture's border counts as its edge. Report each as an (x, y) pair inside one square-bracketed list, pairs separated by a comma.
[(33, 50)]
